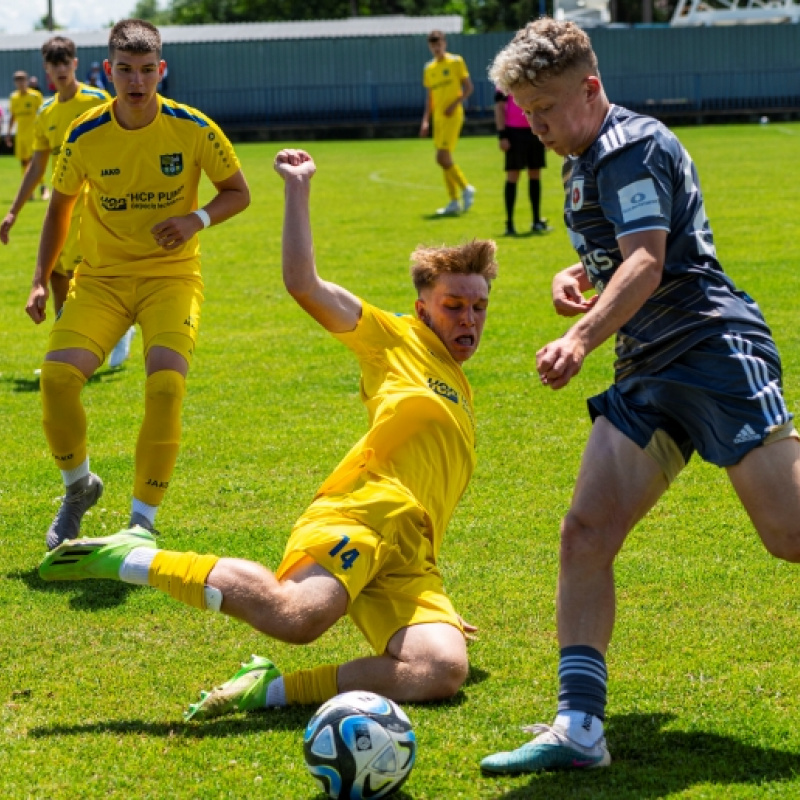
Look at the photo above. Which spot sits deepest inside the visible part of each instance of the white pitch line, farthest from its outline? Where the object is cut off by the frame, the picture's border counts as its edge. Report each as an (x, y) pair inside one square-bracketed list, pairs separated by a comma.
[(376, 177)]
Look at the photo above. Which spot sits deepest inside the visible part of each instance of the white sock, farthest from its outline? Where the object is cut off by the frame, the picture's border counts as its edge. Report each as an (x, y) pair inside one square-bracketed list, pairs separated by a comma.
[(276, 693), (75, 474), (136, 566), (149, 512), (583, 728)]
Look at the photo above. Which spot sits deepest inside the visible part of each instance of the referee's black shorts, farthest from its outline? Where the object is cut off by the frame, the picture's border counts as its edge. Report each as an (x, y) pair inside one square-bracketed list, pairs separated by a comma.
[(526, 151)]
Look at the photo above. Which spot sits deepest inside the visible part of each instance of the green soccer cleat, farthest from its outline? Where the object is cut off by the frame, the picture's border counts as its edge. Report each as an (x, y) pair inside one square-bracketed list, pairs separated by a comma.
[(83, 559), (550, 749), (245, 691)]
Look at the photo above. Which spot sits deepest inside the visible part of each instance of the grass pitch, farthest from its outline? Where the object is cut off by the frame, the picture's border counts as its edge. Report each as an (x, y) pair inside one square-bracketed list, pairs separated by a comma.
[(704, 683)]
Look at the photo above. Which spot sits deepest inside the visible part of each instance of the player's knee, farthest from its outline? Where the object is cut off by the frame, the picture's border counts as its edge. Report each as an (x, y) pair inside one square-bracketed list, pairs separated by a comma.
[(447, 672), (58, 378), (585, 543), (784, 545), (165, 384)]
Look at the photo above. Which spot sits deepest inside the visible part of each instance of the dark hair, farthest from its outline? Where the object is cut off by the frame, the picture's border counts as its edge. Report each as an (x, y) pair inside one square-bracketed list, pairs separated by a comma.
[(58, 50), (135, 36)]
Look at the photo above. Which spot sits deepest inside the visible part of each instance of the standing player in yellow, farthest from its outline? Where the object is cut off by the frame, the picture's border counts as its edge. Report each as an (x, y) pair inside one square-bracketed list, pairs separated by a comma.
[(368, 545), (141, 157), (448, 86), (24, 103), (54, 117)]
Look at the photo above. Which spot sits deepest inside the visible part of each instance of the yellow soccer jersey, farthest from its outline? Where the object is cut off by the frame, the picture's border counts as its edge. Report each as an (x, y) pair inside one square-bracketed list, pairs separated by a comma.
[(136, 179), (422, 432), (443, 78), (55, 116), (23, 108)]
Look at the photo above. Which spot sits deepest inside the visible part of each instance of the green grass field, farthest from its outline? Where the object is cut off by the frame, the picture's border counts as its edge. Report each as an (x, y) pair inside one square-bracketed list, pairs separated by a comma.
[(704, 685)]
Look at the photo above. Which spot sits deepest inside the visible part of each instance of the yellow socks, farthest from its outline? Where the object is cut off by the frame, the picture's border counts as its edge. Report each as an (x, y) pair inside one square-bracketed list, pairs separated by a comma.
[(63, 416), (311, 686), (159, 437), (182, 575), (456, 176)]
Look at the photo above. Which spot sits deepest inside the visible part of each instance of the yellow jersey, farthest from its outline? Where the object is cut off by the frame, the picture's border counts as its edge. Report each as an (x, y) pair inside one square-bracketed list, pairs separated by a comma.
[(23, 108), (55, 116), (443, 79), (421, 438), (136, 179)]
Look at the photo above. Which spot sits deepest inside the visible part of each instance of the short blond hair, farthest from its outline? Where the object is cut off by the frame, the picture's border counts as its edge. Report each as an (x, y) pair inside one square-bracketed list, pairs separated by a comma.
[(473, 258), (543, 49)]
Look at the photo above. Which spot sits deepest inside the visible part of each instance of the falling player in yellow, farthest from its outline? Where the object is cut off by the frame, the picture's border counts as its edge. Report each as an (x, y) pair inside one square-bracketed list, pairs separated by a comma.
[(448, 86), (368, 545), (141, 158), (23, 105), (54, 117)]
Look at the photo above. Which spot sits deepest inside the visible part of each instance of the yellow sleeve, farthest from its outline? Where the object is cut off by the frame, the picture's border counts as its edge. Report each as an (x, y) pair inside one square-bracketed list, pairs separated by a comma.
[(376, 332), (218, 159), (69, 174), (40, 140)]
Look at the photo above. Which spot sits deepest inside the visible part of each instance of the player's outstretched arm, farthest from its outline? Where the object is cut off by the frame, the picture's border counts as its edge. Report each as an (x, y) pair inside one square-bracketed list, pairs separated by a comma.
[(51, 243), (336, 309), (30, 180)]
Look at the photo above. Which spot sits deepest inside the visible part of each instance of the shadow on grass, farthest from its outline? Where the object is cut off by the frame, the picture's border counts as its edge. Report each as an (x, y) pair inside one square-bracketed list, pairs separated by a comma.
[(26, 385), (648, 762), (88, 595)]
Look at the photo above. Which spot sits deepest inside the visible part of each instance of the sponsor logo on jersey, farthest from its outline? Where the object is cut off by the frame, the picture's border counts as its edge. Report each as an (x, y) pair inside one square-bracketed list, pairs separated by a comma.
[(111, 171), (443, 390), (576, 194), (639, 199), (172, 163), (114, 203)]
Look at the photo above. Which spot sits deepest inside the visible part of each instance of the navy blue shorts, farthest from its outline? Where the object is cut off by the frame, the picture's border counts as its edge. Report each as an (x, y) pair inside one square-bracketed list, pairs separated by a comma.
[(722, 398)]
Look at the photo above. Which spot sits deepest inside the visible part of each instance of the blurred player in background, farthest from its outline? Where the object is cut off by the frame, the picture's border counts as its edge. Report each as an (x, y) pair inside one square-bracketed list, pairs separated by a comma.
[(368, 545), (139, 160), (448, 86), (55, 116), (696, 369), (23, 105), (523, 150)]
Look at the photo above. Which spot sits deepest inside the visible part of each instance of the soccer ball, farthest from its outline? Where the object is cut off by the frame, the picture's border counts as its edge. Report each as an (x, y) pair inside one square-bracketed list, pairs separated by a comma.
[(359, 745)]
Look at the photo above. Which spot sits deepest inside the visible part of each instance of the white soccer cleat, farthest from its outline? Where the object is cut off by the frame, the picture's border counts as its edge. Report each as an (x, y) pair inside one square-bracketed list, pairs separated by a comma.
[(468, 198), (451, 209), (122, 349)]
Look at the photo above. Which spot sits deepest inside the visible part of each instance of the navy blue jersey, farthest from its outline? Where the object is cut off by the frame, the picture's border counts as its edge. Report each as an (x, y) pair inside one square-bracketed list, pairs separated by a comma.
[(637, 176)]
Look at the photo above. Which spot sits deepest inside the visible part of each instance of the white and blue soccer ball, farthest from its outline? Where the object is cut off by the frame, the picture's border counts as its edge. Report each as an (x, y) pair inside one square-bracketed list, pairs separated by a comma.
[(359, 745)]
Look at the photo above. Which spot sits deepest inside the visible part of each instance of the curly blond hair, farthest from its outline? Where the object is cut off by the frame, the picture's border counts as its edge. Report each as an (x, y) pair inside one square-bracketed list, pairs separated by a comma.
[(543, 49), (473, 258)]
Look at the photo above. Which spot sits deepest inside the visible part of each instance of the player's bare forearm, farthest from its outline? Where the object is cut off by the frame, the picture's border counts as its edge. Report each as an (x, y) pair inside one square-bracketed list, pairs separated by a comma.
[(54, 234), (635, 280), (336, 309)]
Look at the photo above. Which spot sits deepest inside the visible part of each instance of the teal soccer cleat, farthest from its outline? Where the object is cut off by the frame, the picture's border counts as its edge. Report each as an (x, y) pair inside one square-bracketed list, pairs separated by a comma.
[(84, 559), (550, 749), (245, 691)]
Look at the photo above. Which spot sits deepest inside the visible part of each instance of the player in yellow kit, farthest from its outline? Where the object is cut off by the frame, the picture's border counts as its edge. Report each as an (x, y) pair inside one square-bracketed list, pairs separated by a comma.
[(140, 158), (54, 117), (24, 102), (368, 545), (448, 85)]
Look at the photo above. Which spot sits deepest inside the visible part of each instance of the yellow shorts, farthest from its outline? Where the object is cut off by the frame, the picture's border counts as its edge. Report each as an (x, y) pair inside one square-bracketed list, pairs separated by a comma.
[(389, 573), (446, 130), (70, 255), (98, 311), (23, 147)]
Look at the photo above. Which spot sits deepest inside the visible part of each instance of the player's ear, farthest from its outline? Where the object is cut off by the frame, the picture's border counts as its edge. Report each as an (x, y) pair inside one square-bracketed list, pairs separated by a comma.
[(593, 87), (419, 307)]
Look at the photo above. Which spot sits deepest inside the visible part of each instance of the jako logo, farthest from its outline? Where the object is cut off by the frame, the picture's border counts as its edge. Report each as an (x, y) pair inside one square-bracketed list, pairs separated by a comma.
[(104, 172)]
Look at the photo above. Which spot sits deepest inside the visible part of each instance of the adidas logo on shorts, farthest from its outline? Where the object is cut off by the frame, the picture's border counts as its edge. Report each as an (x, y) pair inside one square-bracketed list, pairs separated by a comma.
[(746, 434)]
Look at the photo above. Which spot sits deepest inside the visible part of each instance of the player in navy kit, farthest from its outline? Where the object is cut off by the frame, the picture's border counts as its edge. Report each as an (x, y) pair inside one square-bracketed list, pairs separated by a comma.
[(696, 366)]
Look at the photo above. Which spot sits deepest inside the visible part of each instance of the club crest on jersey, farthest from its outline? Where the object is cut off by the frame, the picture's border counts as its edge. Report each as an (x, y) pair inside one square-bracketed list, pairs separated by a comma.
[(172, 164), (576, 194)]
